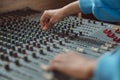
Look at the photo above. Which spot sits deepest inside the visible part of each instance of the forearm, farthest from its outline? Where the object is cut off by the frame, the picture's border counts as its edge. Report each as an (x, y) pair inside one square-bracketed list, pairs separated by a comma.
[(71, 8), (92, 65), (88, 69)]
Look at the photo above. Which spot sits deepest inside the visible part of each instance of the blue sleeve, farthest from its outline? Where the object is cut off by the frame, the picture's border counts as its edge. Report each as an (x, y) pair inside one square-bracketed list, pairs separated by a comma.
[(108, 67), (105, 10)]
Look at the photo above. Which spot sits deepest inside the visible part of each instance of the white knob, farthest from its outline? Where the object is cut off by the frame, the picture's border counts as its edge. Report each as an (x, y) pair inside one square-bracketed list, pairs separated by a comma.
[(95, 49)]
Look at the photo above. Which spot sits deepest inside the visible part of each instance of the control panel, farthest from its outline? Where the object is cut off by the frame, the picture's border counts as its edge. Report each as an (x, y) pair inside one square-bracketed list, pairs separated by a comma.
[(25, 50)]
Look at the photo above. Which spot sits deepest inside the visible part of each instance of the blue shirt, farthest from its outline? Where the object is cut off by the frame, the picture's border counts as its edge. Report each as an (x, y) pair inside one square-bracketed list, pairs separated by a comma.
[(105, 10), (108, 67)]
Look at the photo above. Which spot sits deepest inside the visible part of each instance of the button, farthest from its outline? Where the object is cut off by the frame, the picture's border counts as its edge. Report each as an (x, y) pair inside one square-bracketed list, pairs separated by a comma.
[(15, 54), (8, 45), (13, 47), (7, 67), (2, 56), (44, 67), (116, 39), (17, 62), (26, 59), (66, 39), (41, 41), (11, 52), (81, 50), (80, 33), (117, 31), (5, 44), (51, 40), (48, 76), (34, 43), (38, 45), (27, 46), (111, 35), (34, 55), (45, 42), (48, 48), (60, 42), (54, 45), (19, 49), (107, 31), (6, 58), (104, 48), (56, 37), (42, 52), (23, 51), (95, 49), (31, 48)]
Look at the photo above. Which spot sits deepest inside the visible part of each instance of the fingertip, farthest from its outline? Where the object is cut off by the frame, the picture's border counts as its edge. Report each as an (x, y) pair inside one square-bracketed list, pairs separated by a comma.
[(44, 28), (50, 68)]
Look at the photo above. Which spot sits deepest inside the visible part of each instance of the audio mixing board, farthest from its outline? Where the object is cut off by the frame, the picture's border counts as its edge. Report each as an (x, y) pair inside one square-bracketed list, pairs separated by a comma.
[(25, 49)]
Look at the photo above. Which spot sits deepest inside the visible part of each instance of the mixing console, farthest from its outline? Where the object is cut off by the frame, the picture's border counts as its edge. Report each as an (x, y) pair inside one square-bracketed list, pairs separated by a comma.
[(25, 49)]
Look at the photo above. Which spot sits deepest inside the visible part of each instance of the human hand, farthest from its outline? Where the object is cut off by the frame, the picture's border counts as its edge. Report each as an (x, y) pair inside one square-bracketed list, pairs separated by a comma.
[(73, 65), (50, 17)]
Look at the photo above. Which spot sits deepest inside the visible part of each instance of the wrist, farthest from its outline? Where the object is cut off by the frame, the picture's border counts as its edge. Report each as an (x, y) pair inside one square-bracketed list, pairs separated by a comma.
[(91, 65), (64, 12)]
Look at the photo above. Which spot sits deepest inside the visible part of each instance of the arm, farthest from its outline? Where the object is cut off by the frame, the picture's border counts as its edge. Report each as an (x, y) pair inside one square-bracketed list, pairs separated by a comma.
[(71, 8), (105, 10), (108, 66), (76, 66), (50, 17)]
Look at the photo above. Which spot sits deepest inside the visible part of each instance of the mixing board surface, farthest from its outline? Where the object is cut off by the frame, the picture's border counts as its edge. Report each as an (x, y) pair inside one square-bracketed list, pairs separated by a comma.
[(25, 49)]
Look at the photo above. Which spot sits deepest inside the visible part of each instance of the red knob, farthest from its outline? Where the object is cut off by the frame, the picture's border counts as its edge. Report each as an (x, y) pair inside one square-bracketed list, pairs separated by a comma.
[(106, 31), (111, 35), (116, 39), (117, 31)]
